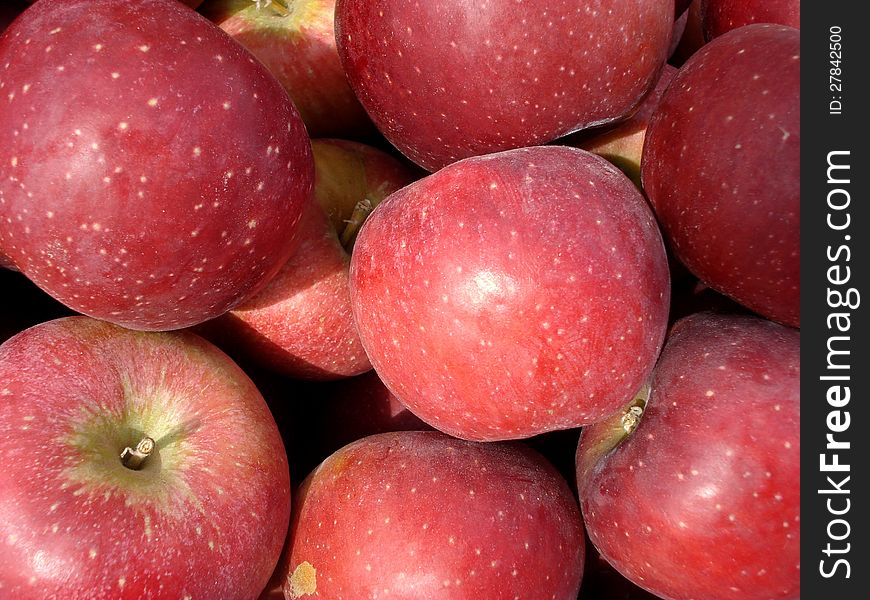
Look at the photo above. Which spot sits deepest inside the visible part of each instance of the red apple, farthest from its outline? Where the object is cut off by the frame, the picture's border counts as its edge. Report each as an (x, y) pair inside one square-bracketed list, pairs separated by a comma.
[(301, 324), (702, 498), (155, 171), (203, 515), (512, 294), (622, 144), (295, 39), (721, 167), (421, 515), (721, 16), (443, 82)]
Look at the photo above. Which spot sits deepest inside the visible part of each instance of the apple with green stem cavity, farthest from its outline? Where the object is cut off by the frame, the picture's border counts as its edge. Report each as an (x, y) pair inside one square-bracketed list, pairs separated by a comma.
[(135, 465), (694, 491), (721, 168), (295, 39), (411, 515), (154, 173), (512, 294), (443, 81), (301, 323)]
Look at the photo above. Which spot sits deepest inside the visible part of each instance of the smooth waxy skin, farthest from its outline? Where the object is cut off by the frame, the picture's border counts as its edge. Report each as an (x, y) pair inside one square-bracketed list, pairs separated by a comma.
[(420, 515), (450, 79), (512, 294), (154, 172), (702, 500), (623, 144), (721, 16), (204, 518), (297, 44), (301, 323), (721, 167)]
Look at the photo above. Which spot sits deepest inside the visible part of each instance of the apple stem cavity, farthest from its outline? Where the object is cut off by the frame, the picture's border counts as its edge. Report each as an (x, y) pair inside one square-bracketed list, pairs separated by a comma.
[(361, 211), (280, 7), (134, 458)]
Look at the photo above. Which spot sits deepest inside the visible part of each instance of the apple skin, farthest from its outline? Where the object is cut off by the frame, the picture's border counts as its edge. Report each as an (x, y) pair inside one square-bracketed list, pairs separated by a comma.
[(429, 516), (622, 144), (512, 294), (721, 168), (136, 130), (297, 45), (301, 324), (446, 80), (204, 518), (702, 500), (721, 16)]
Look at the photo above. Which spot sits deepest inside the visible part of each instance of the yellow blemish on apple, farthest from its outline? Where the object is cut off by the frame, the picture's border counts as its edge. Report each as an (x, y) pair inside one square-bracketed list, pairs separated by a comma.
[(303, 580)]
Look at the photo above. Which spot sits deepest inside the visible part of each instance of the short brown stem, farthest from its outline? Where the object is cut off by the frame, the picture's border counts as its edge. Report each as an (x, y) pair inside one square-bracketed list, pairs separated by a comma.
[(134, 458), (278, 6), (361, 211)]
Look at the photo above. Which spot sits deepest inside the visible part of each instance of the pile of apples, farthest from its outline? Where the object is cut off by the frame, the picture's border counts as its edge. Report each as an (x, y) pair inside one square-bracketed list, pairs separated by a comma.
[(503, 294)]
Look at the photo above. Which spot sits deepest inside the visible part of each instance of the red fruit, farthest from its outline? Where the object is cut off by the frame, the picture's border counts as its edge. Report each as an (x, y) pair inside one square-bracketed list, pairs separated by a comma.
[(297, 43), (512, 294), (421, 515), (702, 499), (156, 171), (721, 16), (443, 82), (721, 167), (205, 514), (301, 324)]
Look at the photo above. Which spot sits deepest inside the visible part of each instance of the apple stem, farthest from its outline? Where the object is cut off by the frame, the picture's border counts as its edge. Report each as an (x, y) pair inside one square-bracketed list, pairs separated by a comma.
[(362, 210), (631, 417), (134, 458), (279, 6)]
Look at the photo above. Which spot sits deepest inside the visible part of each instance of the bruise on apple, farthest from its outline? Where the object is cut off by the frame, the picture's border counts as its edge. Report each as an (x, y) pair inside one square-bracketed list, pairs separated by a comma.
[(424, 515), (702, 500), (203, 514)]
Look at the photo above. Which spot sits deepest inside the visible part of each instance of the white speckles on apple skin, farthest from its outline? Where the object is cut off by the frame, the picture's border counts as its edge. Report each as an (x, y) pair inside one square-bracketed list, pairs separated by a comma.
[(743, 238), (513, 324), (83, 525), (534, 82), (113, 116), (518, 535), (705, 474)]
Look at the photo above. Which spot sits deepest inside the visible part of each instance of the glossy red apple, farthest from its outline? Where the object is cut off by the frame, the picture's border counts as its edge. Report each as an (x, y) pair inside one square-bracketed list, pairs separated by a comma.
[(512, 294), (721, 16), (622, 144), (203, 515), (443, 82), (721, 167), (702, 498), (422, 515), (154, 171), (295, 39), (301, 324)]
